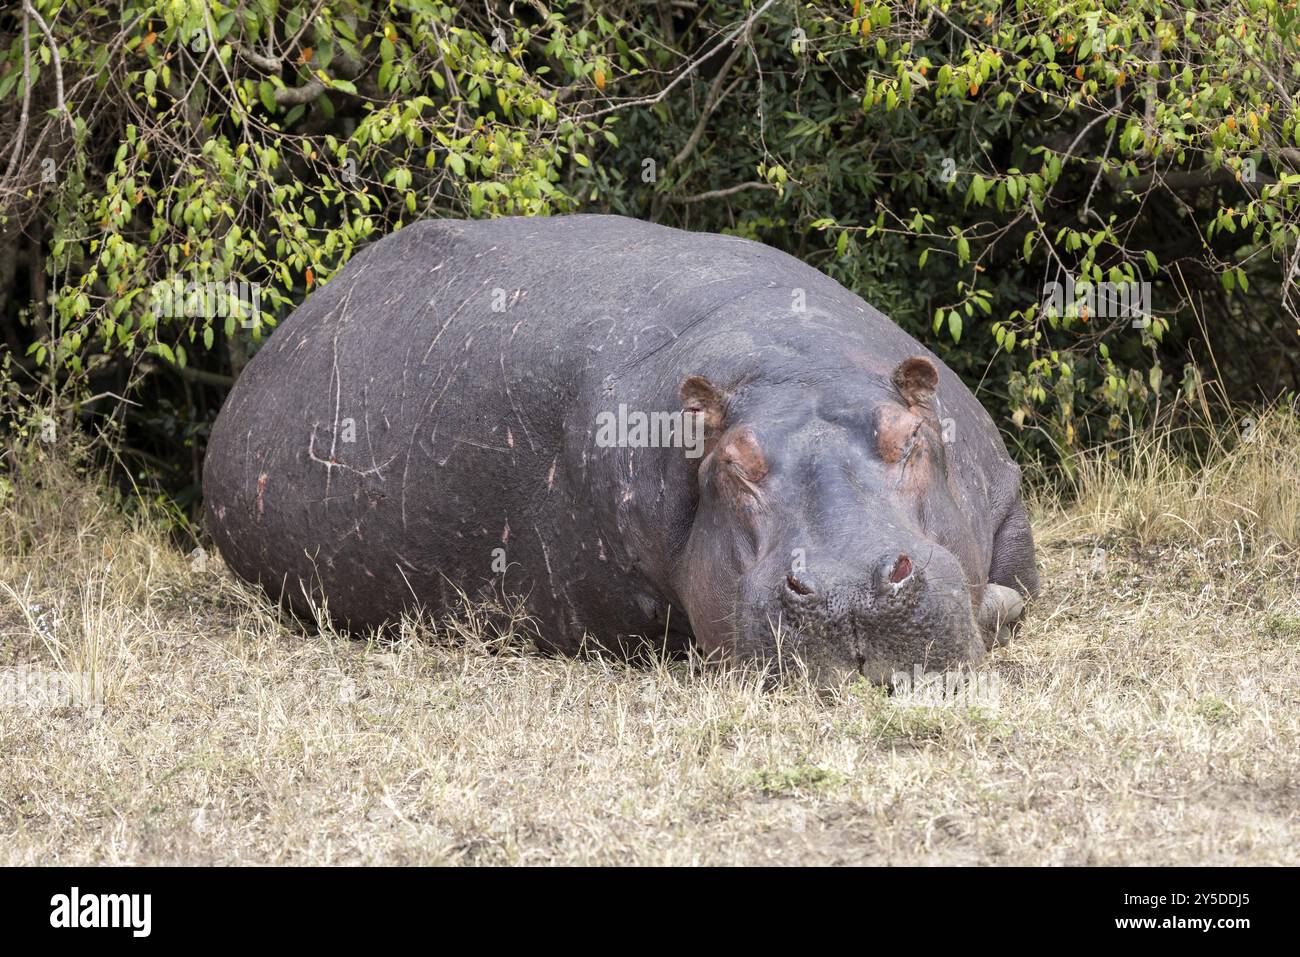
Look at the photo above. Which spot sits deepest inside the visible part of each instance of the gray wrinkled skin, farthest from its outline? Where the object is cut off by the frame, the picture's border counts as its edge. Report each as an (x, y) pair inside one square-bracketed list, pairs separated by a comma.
[(473, 430)]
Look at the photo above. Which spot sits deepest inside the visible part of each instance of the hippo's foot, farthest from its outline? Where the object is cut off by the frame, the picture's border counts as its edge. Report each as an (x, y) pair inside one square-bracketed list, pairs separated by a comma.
[(1001, 609)]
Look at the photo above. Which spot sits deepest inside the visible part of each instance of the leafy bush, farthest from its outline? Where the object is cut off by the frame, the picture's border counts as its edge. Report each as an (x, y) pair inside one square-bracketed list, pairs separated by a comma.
[(947, 160)]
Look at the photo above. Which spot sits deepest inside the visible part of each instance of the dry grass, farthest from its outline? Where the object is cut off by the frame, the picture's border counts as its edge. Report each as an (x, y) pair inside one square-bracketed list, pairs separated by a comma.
[(1240, 489), (1148, 712)]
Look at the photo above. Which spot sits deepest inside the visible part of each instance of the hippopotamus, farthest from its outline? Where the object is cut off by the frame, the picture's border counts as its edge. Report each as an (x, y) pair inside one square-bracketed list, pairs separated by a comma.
[(650, 438)]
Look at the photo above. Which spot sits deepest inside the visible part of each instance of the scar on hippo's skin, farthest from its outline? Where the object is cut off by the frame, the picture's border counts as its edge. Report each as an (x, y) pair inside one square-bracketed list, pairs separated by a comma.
[(261, 490), (333, 463)]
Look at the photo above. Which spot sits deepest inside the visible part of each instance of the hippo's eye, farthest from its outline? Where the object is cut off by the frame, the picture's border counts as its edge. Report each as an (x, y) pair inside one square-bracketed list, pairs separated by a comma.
[(915, 442)]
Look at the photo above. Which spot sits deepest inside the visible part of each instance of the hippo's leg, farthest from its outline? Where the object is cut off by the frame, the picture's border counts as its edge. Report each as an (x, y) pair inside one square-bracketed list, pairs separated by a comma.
[(1013, 576), (999, 612), (1013, 553)]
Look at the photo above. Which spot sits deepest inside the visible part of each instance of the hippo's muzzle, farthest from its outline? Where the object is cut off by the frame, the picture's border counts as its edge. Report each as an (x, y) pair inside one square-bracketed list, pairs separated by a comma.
[(904, 612)]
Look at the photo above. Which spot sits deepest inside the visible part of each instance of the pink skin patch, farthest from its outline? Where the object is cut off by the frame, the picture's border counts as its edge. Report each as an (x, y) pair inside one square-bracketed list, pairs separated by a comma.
[(902, 568)]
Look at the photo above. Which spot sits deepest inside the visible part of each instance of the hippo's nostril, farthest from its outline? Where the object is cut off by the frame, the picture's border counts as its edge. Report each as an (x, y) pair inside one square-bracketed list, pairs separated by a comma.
[(798, 587), (902, 569)]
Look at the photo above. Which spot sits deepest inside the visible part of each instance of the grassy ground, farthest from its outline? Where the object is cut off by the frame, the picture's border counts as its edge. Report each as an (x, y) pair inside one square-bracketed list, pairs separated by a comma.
[(1149, 712)]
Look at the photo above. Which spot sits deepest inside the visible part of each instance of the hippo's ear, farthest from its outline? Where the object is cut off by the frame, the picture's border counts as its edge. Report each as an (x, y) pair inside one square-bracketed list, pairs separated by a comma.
[(699, 395), (916, 380)]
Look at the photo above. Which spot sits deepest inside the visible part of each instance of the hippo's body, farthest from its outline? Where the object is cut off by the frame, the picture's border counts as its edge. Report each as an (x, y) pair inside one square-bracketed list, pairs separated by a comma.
[(432, 415)]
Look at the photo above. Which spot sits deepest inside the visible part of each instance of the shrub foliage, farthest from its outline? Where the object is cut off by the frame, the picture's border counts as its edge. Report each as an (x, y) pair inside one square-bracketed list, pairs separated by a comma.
[(947, 160)]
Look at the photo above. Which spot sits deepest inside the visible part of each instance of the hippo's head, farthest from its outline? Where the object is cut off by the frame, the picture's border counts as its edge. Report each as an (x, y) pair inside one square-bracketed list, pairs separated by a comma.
[(827, 529)]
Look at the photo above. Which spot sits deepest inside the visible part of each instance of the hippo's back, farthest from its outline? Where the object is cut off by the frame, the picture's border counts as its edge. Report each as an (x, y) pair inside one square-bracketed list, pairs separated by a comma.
[(374, 446), (408, 421)]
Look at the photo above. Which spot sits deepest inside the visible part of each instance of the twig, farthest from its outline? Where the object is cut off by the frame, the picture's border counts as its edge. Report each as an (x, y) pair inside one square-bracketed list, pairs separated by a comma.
[(200, 376), (294, 95), (1101, 166), (711, 102), (264, 63), (54, 55), (27, 98), (690, 68), (719, 193), (287, 95)]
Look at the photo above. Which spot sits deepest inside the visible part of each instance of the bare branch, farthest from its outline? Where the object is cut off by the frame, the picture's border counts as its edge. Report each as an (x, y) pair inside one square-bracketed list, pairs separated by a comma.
[(720, 193), (27, 99), (711, 102), (266, 64), (54, 56), (293, 95), (690, 68), (199, 376)]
